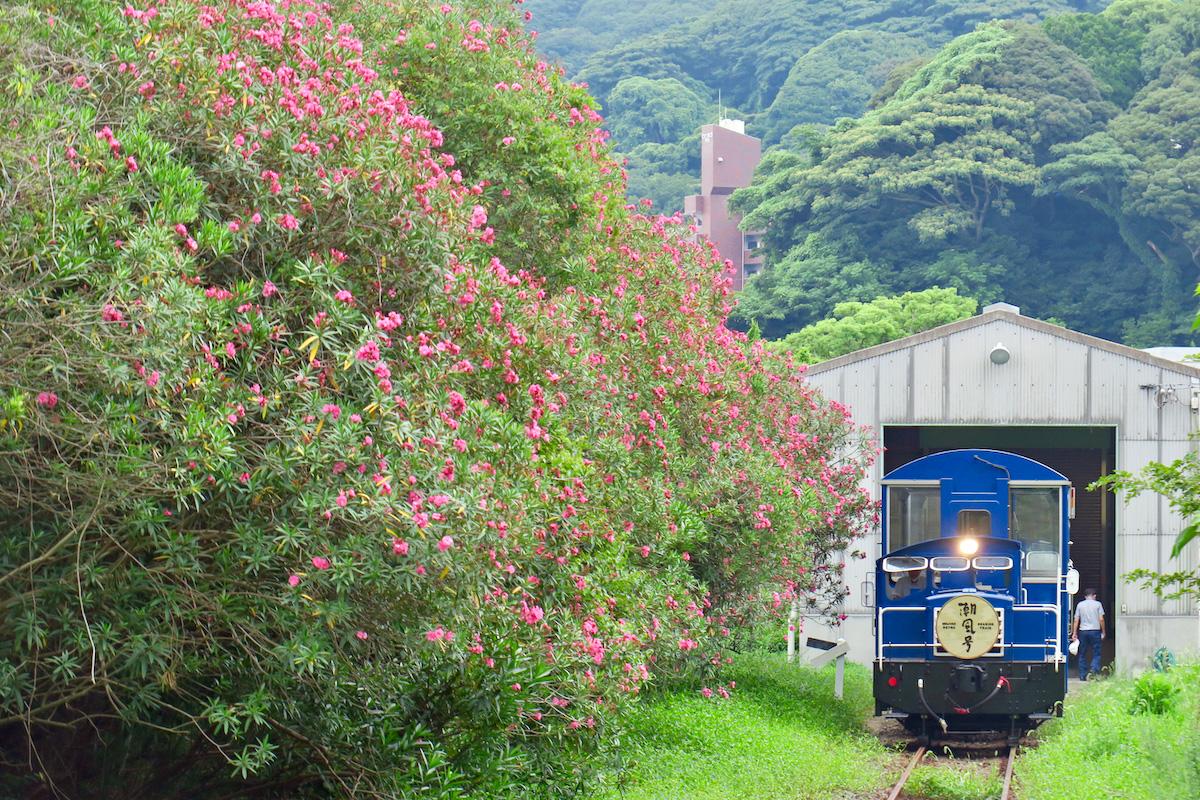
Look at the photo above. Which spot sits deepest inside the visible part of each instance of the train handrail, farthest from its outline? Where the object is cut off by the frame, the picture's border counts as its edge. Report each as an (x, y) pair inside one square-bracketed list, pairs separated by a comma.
[(1052, 650)]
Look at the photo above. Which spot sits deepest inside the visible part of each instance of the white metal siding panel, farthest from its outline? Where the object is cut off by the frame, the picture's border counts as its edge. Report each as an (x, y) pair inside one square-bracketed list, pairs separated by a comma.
[(967, 358), (1051, 378), (828, 384), (1172, 524), (1138, 530), (860, 390), (928, 389), (895, 385), (1176, 417), (1115, 394), (1141, 412)]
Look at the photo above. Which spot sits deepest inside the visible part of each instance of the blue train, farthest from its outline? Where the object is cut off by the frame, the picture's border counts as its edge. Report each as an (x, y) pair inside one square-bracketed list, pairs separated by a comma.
[(972, 594)]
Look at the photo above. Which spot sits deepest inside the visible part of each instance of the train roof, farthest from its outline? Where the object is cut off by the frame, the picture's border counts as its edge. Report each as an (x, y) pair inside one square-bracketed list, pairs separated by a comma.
[(952, 463)]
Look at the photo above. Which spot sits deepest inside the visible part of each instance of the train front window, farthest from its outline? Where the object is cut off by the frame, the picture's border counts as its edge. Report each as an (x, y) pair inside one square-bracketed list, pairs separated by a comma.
[(1034, 519), (992, 572), (914, 515), (905, 574)]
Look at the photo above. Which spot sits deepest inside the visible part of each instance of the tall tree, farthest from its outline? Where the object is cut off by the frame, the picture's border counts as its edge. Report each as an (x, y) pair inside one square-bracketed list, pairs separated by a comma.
[(854, 325)]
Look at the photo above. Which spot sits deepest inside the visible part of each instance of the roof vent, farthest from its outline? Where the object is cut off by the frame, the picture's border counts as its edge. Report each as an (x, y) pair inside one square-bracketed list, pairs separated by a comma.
[(1009, 307)]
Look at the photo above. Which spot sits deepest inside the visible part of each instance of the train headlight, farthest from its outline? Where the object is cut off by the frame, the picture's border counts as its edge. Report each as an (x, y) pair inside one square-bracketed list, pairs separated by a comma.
[(968, 546)]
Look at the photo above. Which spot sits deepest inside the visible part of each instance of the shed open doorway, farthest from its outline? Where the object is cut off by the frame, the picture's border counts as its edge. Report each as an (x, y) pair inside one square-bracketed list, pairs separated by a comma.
[(1081, 453)]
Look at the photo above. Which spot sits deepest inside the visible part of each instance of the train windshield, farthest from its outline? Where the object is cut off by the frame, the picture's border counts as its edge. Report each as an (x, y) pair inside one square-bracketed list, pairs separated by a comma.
[(914, 515), (1034, 520)]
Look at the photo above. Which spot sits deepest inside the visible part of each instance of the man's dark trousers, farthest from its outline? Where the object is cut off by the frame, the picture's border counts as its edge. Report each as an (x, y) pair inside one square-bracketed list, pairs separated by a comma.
[(1089, 643)]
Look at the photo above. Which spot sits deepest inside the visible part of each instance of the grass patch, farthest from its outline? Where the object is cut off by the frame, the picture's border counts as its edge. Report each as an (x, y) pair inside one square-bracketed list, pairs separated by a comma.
[(781, 735), (1110, 744), (947, 778)]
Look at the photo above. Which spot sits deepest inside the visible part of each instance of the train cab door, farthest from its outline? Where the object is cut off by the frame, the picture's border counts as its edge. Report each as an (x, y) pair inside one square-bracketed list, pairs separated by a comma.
[(975, 509)]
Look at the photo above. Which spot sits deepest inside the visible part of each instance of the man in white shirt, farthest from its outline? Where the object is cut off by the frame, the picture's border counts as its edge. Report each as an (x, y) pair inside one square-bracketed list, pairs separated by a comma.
[(1088, 628)]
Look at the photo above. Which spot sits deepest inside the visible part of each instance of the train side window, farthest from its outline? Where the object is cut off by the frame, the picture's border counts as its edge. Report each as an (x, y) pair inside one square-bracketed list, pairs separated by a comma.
[(1035, 520), (914, 515)]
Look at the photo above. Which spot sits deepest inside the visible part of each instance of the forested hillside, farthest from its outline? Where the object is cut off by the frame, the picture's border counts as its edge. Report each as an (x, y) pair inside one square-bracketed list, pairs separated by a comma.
[(1055, 166), (659, 67)]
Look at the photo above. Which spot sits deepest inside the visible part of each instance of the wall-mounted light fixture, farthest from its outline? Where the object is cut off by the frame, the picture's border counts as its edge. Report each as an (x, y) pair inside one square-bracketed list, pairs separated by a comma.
[(999, 354)]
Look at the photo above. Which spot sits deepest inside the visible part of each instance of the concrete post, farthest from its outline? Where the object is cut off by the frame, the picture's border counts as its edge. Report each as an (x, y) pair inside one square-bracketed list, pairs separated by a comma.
[(793, 616)]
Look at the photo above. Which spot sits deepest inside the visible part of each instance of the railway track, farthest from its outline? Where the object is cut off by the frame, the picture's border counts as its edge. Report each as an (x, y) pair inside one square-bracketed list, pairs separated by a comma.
[(1009, 756)]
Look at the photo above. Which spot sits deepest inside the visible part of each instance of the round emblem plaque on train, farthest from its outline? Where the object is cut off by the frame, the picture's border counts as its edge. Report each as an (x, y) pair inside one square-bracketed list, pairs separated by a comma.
[(967, 626)]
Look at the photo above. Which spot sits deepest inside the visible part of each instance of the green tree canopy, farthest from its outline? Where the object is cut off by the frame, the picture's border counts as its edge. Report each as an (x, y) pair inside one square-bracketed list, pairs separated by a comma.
[(648, 110), (854, 325)]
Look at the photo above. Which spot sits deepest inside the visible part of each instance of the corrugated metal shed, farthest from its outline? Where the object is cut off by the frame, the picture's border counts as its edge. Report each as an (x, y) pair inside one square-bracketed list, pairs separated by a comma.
[(1054, 377)]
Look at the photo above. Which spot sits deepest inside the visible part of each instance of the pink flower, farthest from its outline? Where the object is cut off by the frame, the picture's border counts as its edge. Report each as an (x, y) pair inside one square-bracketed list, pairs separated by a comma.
[(111, 314), (531, 614), (458, 403), (507, 140), (344, 296), (80, 82), (47, 399), (332, 409), (293, 580), (438, 634), (342, 500), (688, 644), (152, 379), (181, 230), (707, 692), (269, 289), (400, 547), (320, 562), (361, 634), (131, 164), (368, 352), (479, 217), (289, 222), (445, 544)]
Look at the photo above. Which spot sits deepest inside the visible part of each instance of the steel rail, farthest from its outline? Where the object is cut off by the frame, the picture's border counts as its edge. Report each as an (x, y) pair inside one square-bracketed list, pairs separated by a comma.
[(1008, 771), (899, 787), (1010, 758)]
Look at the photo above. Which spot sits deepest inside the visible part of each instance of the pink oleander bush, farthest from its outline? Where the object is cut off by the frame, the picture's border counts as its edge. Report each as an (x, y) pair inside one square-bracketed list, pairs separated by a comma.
[(355, 438)]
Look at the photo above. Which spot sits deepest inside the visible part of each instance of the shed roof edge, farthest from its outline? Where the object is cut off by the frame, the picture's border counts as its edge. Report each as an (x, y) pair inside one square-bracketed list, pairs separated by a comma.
[(952, 328)]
